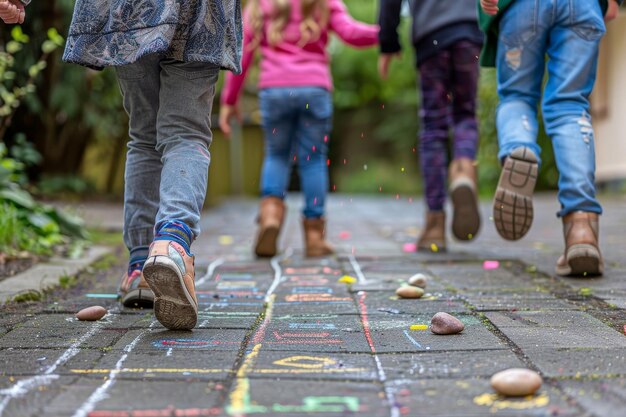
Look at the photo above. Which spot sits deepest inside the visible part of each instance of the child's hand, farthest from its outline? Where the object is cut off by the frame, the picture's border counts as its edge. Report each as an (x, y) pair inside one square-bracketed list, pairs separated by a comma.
[(489, 6), (384, 61), (12, 11), (612, 11), (227, 113)]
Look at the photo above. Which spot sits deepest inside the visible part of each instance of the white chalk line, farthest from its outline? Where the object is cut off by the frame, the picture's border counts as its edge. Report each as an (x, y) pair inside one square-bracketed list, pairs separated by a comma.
[(382, 376), (209, 274), (23, 387), (278, 272), (357, 270), (101, 393)]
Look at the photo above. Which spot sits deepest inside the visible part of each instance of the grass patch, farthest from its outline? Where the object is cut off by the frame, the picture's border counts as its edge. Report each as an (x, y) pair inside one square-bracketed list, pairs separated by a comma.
[(106, 262), (26, 296), (102, 237)]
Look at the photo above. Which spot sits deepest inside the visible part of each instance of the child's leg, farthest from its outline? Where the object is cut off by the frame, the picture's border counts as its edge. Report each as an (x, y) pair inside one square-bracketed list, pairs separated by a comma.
[(279, 123), (573, 53), (139, 83), (313, 130), (435, 80), (520, 68), (186, 94), (315, 112), (278, 119), (462, 173)]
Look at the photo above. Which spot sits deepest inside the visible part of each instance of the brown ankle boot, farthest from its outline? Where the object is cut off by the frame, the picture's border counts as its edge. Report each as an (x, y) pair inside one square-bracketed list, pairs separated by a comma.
[(433, 237), (463, 193), (271, 216), (582, 255), (314, 238)]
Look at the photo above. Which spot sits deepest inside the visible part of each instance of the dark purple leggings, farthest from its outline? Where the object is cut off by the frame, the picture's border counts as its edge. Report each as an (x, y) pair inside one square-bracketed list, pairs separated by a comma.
[(448, 83)]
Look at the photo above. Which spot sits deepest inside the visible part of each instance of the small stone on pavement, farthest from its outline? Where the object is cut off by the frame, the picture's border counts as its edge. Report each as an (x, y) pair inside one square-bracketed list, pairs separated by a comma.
[(409, 292), (418, 280), (444, 323), (91, 313), (516, 382)]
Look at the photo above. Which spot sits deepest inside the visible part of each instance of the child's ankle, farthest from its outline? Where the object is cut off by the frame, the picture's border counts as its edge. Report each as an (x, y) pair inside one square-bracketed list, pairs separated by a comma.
[(176, 231)]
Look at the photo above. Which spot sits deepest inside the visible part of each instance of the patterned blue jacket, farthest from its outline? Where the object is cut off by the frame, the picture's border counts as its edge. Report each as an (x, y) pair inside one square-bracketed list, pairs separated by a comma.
[(118, 32)]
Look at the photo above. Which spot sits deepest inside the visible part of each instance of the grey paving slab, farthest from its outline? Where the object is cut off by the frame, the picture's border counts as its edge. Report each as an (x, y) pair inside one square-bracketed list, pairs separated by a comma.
[(36, 401), (532, 300), (121, 398), (160, 339), (473, 277), (14, 362), (162, 364), (556, 329), (215, 319), (402, 339), (380, 302), (24, 337), (291, 398), (475, 398), (314, 366), (347, 339), (586, 362), (119, 321), (391, 281), (602, 397), (449, 364)]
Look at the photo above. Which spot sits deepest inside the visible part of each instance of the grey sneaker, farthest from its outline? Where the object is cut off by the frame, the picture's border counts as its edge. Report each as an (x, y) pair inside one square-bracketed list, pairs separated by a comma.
[(513, 202)]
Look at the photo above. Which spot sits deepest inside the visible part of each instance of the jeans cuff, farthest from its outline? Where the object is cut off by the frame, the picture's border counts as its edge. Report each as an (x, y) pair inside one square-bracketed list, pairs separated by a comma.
[(142, 236)]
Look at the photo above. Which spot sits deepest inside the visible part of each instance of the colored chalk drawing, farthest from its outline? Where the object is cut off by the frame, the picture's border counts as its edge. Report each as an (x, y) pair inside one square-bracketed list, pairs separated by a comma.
[(311, 290), (323, 326), (315, 298), (497, 402), (184, 343), (306, 362), (311, 404)]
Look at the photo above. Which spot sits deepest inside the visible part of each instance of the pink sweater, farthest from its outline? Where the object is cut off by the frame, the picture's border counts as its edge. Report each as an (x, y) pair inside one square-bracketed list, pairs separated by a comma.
[(290, 65)]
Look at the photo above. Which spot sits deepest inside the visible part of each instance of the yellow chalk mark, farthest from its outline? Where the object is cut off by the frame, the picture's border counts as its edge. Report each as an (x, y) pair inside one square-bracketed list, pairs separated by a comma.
[(498, 402), (347, 279), (212, 371), (418, 327), (434, 247), (296, 362)]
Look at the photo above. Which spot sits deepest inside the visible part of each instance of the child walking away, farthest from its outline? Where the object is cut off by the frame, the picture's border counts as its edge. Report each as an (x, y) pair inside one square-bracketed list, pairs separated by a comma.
[(447, 41), (296, 105), (167, 57), (568, 33)]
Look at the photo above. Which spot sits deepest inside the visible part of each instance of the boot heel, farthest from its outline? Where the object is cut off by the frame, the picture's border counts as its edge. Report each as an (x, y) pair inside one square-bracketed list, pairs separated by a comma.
[(584, 260)]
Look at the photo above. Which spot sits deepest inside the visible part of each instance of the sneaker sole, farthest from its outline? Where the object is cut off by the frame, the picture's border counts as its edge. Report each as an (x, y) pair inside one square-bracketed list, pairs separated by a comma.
[(465, 218), (513, 202), (138, 298), (174, 307), (582, 261), (266, 242)]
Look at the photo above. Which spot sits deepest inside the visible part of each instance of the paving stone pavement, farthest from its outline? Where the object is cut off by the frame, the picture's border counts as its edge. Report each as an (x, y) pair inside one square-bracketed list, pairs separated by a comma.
[(286, 338)]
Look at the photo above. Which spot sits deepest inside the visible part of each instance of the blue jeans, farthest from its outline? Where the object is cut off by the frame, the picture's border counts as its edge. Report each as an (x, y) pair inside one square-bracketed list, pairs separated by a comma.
[(568, 33), (169, 106), (296, 124)]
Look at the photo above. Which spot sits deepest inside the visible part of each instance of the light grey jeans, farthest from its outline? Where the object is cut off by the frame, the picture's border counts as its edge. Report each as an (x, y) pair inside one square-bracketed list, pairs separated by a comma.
[(169, 105)]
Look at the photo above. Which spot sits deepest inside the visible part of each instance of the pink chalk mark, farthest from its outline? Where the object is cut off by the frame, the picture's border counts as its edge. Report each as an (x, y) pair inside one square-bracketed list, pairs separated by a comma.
[(491, 265), (409, 247), (344, 235)]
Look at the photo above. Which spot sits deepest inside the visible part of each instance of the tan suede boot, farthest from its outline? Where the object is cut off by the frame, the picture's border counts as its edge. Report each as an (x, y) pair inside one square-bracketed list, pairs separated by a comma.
[(582, 255), (271, 217), (463, 193), (433, 237), (314, 238)]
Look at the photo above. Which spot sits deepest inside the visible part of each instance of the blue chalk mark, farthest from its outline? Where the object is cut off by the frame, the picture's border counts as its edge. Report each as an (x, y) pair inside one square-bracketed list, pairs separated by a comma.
[(408, 336), (312, 290), (323, 326), (101, 295)]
